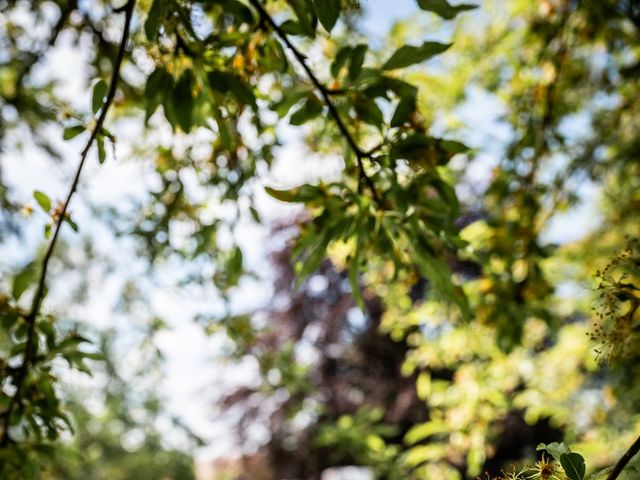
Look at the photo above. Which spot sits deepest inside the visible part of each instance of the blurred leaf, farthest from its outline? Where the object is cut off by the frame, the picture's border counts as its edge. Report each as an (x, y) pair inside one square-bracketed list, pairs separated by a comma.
[(444, 8), (73, 131), (303, 193), (369, 112), (421, 431), (341, 59), (102, 154), (183, 101), (354, 268), (152, 23), (423, 385), (71, 223), (555, 449), (306, 15), (328, 12), (22, 281), (410, 55), (97, 97), (453, 146), (406, 107), (311, 108), (159, 86), (43, 200), (356, 61), (254, 214)]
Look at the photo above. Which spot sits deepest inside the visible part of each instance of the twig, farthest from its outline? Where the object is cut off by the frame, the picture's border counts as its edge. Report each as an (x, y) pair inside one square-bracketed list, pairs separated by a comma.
[(31, 318), (626, 458), (326, 96)]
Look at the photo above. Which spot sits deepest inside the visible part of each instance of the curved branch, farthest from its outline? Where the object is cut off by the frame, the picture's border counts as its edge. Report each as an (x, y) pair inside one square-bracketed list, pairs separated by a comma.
[(325, 93), (31, 318), (624, 460)]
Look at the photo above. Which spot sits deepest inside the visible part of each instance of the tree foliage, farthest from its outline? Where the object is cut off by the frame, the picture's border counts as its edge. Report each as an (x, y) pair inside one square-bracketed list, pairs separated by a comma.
[(467, 353)]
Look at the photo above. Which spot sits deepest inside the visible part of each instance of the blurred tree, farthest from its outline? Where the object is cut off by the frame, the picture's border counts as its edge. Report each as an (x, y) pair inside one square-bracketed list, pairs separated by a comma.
[(334, 389), (466, 351), (119, 438)]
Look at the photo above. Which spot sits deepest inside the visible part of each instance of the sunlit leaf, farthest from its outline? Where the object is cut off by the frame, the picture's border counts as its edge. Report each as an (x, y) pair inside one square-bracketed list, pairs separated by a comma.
[(303, 193), (22, 281), (73, 131), (98, 94), (43, 200)]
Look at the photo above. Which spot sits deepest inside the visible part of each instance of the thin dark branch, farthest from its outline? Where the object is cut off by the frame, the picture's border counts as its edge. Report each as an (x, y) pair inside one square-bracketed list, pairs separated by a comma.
[(626, 458), (41, 287), (326, 96)]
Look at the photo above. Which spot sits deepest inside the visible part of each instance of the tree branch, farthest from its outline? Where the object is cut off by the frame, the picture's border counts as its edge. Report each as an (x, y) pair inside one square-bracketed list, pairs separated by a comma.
[(31, 318), (626, 458), (325, 93)]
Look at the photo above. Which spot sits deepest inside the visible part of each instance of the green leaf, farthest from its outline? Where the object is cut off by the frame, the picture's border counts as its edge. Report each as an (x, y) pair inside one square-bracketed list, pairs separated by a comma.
[(328, 12), (73, 131), (453, 146), (239, 10), (43, 200), (311, 108), (70, 343), (356, 61), (102, 154), (152, 24), (573, 465), (410, 54), (555, 449), (255, 214), (243, 92), (341, 58), (403, 111), (223, 129), (234, 266), (410, 146), (369, 112), (72, 224), (306, 15), (423, 387), (183, 101), (303, 193), (159, 85), (22, 281), (444, 8), (97, 97), (291, 27), (438, 273), (273, 56), (224, 82), (354, 271), (289, 98), (219, 81), (423, 430)]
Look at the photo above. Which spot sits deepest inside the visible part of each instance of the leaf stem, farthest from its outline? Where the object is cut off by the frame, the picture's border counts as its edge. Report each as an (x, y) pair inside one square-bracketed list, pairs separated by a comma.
[(32, 316)]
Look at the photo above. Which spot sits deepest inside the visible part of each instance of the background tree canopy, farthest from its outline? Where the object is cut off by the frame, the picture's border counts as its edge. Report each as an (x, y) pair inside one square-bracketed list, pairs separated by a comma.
[(423, 244)]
